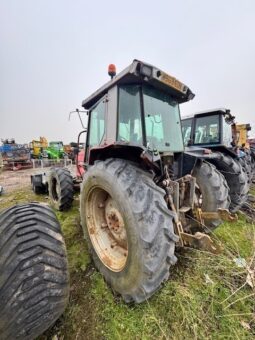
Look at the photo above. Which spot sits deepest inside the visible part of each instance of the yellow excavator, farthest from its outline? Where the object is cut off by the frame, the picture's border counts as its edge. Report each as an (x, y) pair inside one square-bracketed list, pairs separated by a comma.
[(246, 144), (241, 135), (37, 146)]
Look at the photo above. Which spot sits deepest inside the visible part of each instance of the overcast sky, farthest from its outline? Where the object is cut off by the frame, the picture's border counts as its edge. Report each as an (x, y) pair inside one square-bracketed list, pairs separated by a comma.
[(55, 53)]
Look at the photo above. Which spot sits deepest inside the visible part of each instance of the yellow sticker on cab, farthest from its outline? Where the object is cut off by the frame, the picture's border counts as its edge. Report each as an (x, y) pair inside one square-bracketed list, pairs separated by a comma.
[(173, 82)]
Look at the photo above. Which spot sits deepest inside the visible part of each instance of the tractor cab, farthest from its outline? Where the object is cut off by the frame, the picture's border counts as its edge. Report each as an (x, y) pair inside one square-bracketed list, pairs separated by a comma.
[(136, 112), (213, 135), (212, 129), (59, 146), (55, 150)]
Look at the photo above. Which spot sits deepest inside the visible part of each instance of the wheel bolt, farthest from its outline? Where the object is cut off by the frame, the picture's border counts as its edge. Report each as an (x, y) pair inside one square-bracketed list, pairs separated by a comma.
[(113, 244)]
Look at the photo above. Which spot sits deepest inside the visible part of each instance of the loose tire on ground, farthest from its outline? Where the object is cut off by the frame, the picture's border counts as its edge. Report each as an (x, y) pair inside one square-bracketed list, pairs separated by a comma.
[(236, 178), (148, 228), (37, 186), (214, 190), (60, 186), (37, 190), (34, 283)]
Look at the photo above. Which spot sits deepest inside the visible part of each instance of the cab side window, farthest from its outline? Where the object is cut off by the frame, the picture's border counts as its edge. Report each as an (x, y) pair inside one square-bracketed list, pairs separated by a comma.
[(97, 124), (129, 119)]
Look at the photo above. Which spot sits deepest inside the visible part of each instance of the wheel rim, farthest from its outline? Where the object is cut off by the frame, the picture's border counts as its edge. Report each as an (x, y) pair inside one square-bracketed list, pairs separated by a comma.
[(106, 229), (55, 190)]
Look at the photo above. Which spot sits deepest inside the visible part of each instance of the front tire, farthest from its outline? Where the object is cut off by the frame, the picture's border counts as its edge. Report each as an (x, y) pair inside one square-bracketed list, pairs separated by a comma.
[(214, 191), (143, 251), (34, 282)]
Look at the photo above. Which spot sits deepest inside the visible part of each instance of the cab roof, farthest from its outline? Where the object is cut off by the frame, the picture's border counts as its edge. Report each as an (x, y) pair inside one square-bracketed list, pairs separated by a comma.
[(206, 112), (140, 72)]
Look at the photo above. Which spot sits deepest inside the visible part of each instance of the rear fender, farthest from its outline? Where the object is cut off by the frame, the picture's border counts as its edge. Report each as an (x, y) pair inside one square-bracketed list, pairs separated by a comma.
[(194, 156), (189, 163), (132, 152)]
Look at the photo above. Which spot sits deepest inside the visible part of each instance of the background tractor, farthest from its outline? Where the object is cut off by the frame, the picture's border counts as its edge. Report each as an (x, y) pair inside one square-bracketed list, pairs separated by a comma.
[(213, 131), (55, 150), (68, 150), (140, 193)]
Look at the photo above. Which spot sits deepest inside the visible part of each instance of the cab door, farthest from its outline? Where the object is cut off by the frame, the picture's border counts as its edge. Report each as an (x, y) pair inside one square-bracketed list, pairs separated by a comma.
[(96, 127)]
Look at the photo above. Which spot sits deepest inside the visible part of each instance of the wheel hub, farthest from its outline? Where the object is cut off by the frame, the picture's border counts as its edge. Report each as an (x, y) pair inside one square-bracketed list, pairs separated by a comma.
[(106, 229), (115, 223)]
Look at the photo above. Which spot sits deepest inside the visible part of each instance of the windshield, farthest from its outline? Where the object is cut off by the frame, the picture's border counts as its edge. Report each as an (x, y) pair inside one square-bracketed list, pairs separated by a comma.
[(56, 145), (186, 130), (162, 120), (207, 129)]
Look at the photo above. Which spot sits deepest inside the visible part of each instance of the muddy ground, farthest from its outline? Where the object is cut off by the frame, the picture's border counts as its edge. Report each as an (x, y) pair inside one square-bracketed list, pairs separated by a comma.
[(14, 180)]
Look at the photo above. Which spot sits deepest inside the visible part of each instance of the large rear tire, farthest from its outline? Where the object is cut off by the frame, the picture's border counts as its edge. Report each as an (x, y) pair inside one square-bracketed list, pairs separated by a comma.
[(213, 189), (247, 166), (236, 178), (34, 283), (128, 227), (60, 186)]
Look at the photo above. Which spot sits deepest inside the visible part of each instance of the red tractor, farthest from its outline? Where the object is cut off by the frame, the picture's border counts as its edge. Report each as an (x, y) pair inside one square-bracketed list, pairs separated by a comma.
[(141, 194)]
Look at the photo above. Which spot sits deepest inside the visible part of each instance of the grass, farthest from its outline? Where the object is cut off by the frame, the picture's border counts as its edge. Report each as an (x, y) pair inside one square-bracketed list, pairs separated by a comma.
[(252, 191), (206, 296)]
